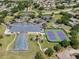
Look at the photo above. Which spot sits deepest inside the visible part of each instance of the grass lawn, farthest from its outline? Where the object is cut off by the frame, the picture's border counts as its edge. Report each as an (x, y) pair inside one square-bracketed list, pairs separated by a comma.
[(6, 40), (49, 25), (47, 44), (8, 18), (2, 29), (78, 37), (57, 16)]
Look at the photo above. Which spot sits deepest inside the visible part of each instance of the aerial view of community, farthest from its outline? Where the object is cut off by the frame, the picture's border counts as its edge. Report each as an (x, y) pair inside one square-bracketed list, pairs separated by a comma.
[(39, 29)]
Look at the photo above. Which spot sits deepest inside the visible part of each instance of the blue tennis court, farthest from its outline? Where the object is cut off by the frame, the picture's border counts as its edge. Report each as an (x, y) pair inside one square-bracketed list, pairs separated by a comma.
[(61, 35), (56, 35), (51, 35), (21, 42)]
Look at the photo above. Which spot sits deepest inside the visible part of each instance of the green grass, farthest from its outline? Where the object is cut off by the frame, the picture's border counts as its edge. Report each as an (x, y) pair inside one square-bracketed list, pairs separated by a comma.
[(47, 44), (57, 16), (6, 40), (50, 25), (2, 29), (8, 18)]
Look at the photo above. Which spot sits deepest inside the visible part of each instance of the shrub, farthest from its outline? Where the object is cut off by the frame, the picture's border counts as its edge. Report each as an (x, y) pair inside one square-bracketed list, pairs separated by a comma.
[(39, 56), (57, 47), (1, 36), (49, 52), (65, 43)]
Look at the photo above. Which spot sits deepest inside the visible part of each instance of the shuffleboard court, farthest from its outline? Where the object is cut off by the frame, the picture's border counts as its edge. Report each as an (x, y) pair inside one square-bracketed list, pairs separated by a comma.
[(51, 35), (61, 35)]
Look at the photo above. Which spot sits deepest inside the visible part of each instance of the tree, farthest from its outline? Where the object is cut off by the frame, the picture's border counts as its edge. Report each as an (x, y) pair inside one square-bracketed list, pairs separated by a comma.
[(44, 25), (6, 1), (1, 20), (0, 44), (36, 5), (74, 43), (9, 5), (21, 5), (64, 19), (39, 56), (75, 6), (1, 36), (14, 10), (76, 28), (49, 52), (32, 16), (3, 13), (66, 14), (65, 43), (59, 21), (40, 14), (69, 1), (52, 13), (57, 47), (73, 33), (41, 8), (74, 36), (60, 7), (77, 56)]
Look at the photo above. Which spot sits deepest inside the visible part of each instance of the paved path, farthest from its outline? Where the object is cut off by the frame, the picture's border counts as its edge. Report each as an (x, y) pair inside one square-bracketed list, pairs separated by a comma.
[(11, 43), (40, 46)]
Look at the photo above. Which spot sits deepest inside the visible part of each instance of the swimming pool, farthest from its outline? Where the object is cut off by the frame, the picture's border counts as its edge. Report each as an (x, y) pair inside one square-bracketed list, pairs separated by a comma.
[(21, 42), (24, 27)]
